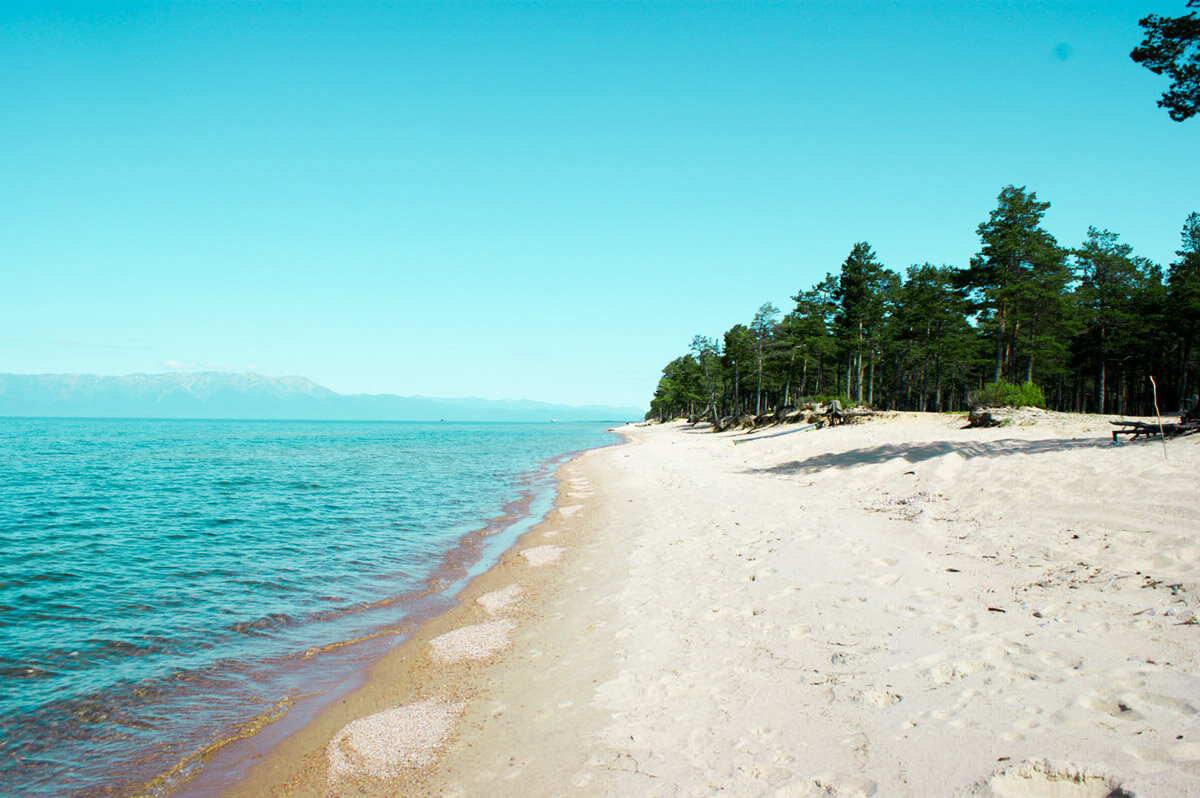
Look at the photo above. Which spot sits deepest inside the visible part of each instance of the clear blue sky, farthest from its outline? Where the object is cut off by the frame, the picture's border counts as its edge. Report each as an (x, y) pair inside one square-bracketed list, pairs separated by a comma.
[(532, 200)]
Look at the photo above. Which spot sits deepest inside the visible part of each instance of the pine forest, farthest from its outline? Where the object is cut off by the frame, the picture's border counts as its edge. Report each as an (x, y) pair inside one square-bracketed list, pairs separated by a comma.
[(1090, 329)]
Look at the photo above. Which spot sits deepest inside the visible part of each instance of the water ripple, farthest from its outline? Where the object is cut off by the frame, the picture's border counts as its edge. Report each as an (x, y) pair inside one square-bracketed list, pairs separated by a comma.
[(160, 580)]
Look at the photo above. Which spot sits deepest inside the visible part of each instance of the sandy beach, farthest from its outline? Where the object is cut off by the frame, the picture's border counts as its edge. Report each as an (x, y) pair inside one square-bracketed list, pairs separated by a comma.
[(897, 607)]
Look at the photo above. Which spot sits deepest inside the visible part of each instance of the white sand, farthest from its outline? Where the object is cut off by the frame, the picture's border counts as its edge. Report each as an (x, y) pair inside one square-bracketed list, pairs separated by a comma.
[(892, 608), (905, 604), (477, 641)]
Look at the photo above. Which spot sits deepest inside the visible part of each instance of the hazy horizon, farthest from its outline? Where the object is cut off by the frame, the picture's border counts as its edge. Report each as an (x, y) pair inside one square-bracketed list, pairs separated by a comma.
[(252, 395)]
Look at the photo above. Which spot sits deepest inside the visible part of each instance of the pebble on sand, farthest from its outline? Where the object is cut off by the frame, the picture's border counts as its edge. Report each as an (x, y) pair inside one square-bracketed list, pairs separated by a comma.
[(379, 746), (497, 601), (478, 641), (542, 555)]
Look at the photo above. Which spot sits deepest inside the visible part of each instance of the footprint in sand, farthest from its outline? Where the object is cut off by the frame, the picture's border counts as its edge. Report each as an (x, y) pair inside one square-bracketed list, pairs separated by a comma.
[(1040, 777), (1166, 702), (952, 671), (879, 697), (1178, 754), (1111, 705), (887, 580), (828, 786), (966, 621)]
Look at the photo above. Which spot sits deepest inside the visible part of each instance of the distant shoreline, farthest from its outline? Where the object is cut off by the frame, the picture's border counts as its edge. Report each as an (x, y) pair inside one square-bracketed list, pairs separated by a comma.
[(252, 396)]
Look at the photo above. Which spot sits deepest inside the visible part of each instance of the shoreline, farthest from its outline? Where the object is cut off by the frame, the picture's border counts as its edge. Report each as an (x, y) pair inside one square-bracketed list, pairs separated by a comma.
[(214, 767), (294, 762), (903, 606)]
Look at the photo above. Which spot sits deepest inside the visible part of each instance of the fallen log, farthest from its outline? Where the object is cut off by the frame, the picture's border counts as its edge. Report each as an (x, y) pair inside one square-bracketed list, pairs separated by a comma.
[(1142, 429)]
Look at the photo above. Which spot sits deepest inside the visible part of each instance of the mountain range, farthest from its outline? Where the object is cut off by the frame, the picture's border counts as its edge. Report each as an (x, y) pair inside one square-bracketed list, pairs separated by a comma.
[(256, 396)]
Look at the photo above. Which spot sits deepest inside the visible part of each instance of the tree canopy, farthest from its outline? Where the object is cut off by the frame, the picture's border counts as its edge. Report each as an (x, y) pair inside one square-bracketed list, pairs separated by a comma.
[(1087, 325), (1171, 47)]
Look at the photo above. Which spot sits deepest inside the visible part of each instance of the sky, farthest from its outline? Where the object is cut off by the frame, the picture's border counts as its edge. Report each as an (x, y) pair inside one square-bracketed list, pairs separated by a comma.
[(541, 200)]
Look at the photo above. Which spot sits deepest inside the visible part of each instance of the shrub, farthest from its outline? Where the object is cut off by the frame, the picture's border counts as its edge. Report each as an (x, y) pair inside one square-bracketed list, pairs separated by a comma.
[(825, 398), (1006, 394)]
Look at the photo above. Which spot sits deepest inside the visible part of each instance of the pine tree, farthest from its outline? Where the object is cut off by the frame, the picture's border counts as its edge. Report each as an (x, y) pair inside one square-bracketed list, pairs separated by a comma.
[(931, 322), (763, 330), (861, 302), (706, 353), (813, 326), (1172, 47), (1019, 277), (1112, 293), (738, 354), (1183, 303), (679, 391)]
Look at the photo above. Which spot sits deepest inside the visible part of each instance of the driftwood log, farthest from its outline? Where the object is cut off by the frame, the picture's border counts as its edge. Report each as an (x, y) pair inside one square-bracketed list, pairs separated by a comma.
[(1144, 429), (814, 415)]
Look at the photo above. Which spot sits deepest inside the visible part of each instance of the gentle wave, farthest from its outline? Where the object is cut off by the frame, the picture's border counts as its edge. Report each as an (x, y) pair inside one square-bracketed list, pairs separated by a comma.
[(166, 585)]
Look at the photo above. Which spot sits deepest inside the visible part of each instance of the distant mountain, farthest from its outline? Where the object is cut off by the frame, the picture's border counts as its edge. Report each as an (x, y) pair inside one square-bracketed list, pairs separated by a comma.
[(234, 395)]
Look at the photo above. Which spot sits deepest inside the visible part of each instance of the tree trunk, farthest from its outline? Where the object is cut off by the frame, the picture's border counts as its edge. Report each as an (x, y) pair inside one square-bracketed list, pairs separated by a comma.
[(858, 376), (871, 381), (758, 384), (1184, 394), (999, 343), (737, 398), (924, 403), (937, 382), (712, 397), (787, 385)]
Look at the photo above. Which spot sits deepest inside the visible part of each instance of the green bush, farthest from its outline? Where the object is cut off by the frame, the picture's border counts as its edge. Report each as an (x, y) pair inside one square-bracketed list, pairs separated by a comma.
[(1006, 394), (825, 398)]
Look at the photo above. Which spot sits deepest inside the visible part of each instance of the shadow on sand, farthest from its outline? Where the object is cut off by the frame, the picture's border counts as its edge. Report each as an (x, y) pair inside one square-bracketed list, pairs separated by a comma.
[(928, 451)]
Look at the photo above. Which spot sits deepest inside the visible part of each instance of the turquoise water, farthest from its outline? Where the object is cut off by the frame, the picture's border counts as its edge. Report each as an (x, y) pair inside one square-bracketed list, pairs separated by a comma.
[(164, 582)]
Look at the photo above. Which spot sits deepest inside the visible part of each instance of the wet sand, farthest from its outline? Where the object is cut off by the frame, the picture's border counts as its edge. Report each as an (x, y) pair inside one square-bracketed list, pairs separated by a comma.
[(901, 607), (500, 667)]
